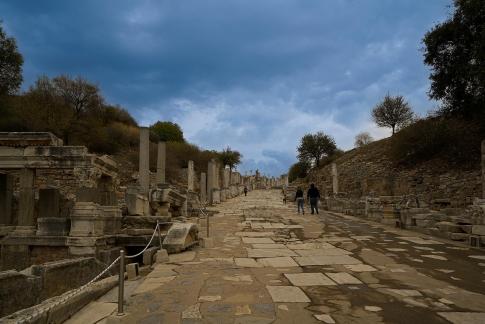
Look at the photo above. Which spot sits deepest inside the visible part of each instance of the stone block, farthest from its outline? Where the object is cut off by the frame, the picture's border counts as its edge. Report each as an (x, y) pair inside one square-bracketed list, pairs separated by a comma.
[(466, 228), (181, 236), (53, 226), (459, 236), (206, 242), (449, 227), (161, 256), (137, 204), (132, 270), (149, 254), (478, 230)]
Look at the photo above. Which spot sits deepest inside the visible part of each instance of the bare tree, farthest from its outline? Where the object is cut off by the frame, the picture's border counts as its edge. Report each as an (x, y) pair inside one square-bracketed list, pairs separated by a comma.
[(363, 139), (392, 112)]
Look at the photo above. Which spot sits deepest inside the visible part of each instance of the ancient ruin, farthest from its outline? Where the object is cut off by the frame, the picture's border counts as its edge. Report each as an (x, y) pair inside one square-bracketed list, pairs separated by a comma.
[(62, 210)]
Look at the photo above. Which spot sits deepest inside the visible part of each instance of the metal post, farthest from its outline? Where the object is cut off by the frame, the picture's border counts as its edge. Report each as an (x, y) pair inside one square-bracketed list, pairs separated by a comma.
[(121, 283), (159, 235)]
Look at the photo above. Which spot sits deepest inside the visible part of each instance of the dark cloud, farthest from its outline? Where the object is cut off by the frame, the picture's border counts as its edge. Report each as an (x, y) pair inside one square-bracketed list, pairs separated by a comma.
[(248, 70)]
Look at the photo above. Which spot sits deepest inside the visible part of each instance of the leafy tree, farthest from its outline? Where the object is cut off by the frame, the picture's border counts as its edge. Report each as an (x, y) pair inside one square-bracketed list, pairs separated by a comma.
[(298, 170), (363, 139), (392, 112), (230, 158), (455, 51), (168, 131), (313, 147), (10, 65)]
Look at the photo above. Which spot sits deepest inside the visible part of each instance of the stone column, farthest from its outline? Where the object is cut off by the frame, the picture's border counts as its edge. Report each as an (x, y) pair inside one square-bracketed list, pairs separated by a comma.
[(211, 177), (190, 176), (26, 221), (161, 158), (483, 169), (203, 187), (144, 164), (6, 194), (334, 178), (225, 178)]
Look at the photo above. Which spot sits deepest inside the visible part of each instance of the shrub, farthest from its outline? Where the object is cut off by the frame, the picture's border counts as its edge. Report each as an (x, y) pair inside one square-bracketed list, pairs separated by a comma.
[(454, 141)]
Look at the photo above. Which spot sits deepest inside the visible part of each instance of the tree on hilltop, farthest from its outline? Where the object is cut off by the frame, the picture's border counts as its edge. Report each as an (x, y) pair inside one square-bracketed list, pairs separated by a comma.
[(362, 139), (313, 147), (393, 112), (168, 131)]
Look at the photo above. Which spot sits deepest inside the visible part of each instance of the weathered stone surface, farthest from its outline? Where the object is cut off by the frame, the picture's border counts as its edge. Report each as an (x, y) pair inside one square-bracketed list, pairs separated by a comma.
[(247, 263), (287, 294), (280, 262), (270, 253), (326, 260), (257, 240), (478, 230), (343, 278), (132, 271), (309, 279)]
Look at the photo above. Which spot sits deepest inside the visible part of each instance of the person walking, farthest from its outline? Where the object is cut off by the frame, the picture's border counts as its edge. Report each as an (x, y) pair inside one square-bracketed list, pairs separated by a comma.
[(313, 195), (300, 200), (245, 191)]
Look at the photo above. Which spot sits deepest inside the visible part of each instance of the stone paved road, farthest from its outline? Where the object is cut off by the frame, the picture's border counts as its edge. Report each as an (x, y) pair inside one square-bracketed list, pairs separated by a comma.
[(270, 265)]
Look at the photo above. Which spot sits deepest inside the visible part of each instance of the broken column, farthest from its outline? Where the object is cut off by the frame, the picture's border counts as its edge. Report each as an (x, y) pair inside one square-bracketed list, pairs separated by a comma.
[(161, 157), (144, 164), (6, 194), (190, 176), (334, 178), (203, 187), (26, 221)]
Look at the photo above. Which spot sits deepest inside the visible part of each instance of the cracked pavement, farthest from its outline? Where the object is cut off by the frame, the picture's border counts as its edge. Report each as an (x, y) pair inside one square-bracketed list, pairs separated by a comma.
[(271, 265)]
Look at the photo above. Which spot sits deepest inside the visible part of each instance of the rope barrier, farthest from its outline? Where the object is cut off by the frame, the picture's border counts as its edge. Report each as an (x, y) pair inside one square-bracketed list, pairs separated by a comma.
[(38, 312), (146, 247)]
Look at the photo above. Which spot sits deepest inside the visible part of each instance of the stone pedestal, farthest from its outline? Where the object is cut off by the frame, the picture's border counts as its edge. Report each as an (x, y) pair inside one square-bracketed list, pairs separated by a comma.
[(86, 220), (136, 203)]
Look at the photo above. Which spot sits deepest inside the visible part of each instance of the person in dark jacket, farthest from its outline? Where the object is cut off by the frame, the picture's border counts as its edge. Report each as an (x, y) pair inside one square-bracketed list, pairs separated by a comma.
[(313, 195), (300, 201)]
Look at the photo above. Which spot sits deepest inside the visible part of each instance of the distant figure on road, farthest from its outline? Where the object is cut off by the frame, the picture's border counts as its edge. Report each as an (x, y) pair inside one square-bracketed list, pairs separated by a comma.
[(283, 191), (300, 200), (313, 195), (245, 191)]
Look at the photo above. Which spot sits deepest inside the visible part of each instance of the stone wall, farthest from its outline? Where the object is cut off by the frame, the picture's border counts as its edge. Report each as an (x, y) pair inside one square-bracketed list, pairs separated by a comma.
[(20, 290), (368, 172)]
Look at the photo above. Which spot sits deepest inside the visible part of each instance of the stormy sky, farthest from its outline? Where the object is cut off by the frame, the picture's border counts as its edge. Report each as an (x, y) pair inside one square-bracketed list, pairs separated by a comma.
[(255, 75)]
